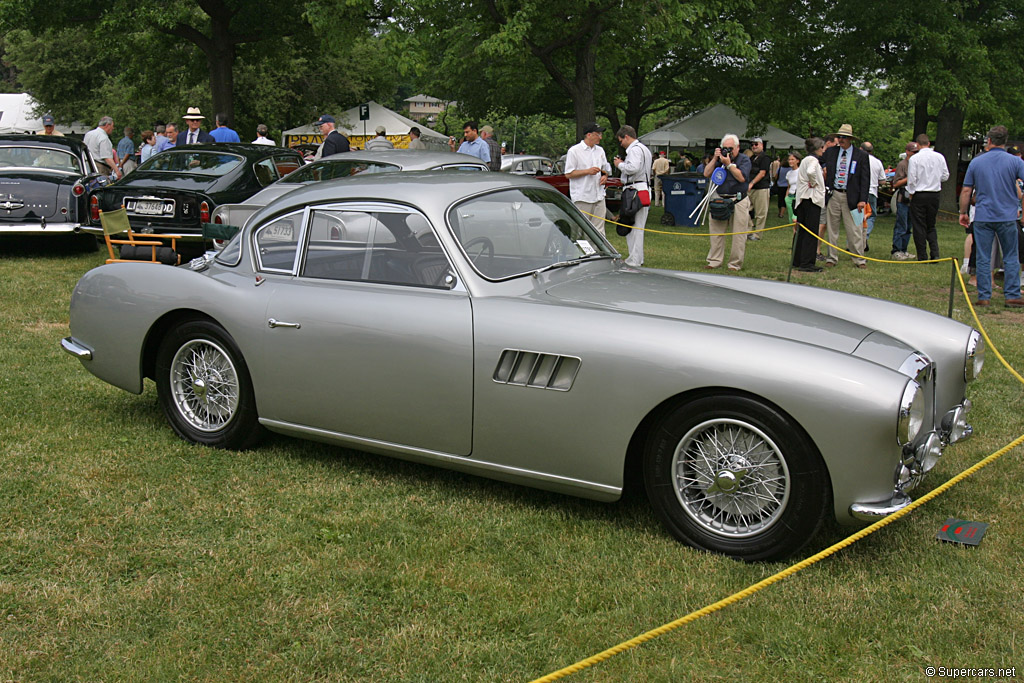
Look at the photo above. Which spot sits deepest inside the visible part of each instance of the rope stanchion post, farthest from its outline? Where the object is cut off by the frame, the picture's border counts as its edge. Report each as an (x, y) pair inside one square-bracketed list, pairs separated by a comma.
[(792, 252), (952, 285)]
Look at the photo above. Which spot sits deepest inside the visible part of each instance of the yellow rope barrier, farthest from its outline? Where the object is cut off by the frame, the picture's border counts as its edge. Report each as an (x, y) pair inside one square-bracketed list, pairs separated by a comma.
[(831, 550), (686, 234), (785, 573)]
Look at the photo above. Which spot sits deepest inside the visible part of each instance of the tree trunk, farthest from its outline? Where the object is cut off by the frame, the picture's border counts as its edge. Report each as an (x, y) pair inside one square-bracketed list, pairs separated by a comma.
[(920, 114), (947, 143), (222, 81)]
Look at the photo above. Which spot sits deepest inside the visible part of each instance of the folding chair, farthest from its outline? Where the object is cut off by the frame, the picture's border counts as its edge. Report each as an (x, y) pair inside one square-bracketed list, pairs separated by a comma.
[(133, 248)]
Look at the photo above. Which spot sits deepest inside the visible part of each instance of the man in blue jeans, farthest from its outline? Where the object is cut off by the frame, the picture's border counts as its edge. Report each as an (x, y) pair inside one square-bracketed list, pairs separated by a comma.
[(992, 178), (901, 231)]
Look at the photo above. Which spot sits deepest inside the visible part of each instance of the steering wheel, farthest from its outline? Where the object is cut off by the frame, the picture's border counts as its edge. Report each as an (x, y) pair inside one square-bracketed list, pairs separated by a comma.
[(484, 243)]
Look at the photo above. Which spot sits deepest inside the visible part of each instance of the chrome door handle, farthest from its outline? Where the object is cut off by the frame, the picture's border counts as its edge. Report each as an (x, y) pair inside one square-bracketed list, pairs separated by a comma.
[(280, 323)]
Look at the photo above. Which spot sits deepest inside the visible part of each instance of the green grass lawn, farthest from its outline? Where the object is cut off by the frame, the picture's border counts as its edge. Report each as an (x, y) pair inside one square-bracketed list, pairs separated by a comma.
[(127, 554)]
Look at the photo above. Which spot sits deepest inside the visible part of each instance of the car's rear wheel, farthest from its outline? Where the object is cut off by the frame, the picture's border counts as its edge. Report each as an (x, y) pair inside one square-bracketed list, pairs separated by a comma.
[(204, 388), (734, 475)]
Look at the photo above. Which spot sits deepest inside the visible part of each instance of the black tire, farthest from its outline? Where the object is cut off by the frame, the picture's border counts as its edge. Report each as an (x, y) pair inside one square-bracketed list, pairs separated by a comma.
[(86, 243), (204, 388), (668, 219), (772, 489)]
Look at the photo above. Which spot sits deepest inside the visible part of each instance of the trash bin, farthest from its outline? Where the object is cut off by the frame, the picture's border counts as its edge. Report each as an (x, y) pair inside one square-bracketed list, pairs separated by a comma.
[(683, 192)]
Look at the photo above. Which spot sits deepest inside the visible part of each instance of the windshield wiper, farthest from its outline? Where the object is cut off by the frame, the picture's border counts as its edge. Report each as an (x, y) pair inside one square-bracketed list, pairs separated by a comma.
[(572, 262)]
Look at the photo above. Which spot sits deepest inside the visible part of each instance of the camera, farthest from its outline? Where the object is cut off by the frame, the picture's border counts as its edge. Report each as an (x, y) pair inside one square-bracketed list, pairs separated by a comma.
[(727, 151)]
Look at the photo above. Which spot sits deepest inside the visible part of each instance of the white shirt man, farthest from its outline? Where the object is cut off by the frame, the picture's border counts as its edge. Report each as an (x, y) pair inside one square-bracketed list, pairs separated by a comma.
[(587, 169), (926, 171), (876, 176), (636, 171), (100, 147)]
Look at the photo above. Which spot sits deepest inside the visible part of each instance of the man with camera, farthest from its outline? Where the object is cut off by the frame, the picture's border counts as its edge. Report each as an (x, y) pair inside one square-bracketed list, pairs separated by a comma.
[(733, 191)]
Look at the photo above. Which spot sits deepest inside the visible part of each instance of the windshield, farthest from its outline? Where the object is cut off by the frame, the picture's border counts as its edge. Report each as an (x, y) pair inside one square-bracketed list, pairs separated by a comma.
[(39, 157), (518, 231), (193, 161), (329, 170)]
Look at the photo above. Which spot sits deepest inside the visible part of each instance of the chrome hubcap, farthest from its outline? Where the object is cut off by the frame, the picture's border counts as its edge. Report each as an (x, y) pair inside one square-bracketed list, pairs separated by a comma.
[(204, 385), (730, 478)]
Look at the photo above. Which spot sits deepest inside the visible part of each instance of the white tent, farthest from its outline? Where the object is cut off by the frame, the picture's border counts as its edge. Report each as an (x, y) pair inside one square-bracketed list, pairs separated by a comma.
[(714, 122), (358, 132), (16, 116)]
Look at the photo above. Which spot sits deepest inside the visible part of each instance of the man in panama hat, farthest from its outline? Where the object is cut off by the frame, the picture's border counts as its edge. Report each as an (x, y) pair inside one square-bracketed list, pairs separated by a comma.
[(195, 134), (847, 171)]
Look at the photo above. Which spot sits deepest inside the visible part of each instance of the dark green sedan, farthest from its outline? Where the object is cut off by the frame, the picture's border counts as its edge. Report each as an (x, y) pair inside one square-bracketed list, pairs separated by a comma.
[(176, 191)]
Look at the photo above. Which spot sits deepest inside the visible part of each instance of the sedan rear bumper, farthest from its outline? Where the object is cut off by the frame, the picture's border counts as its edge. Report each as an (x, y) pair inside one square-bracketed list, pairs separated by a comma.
[(40, 228)]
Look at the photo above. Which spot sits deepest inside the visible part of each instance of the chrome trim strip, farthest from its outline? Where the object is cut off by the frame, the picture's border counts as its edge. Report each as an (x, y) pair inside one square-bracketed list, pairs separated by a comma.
[(465, 463), (79, 351)]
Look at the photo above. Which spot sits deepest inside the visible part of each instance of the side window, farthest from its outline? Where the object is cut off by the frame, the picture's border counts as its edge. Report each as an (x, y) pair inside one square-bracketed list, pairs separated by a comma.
[(286, 164), (546, 167), (266, 172), (375, 246), (277, 243)]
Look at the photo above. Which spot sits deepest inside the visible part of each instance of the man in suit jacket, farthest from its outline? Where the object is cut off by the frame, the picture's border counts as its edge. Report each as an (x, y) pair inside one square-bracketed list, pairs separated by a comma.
[(847, 180), (194, 135)]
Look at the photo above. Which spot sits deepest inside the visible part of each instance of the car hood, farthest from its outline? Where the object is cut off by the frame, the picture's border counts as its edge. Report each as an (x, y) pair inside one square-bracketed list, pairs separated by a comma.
[(680, 298), (165, 181)]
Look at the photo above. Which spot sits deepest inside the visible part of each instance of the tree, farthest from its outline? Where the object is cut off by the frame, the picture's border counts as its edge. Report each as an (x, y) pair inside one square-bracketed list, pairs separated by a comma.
[(954, 57), (564, 57)]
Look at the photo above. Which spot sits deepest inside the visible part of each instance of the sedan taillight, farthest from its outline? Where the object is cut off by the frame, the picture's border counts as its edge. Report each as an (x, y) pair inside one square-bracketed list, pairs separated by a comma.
[(78, 189), (94, 207), (204, 213)]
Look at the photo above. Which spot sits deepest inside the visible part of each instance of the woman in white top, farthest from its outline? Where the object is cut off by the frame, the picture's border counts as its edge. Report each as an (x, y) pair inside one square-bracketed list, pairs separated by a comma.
[(148, 145), (810, 201), (793, 162)]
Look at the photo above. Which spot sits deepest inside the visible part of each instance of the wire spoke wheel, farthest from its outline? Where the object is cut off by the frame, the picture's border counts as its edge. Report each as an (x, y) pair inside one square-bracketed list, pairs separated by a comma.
[(735, 475), (204, 385), (731, 478)]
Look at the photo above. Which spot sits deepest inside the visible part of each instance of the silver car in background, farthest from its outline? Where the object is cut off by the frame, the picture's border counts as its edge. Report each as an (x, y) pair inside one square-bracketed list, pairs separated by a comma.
[(347, 165), (483, 325)]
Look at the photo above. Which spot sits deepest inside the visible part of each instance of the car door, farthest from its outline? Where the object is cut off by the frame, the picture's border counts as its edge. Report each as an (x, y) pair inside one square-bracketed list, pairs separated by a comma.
[(371, 334)]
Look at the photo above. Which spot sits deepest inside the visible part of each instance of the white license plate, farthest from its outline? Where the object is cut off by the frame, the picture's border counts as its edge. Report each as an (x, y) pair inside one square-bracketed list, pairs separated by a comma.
[(278, 233), (149, 207)]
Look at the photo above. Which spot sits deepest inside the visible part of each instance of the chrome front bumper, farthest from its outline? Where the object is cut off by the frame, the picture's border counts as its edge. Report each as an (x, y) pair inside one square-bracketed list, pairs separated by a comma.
[(76, 349), (918, 461)]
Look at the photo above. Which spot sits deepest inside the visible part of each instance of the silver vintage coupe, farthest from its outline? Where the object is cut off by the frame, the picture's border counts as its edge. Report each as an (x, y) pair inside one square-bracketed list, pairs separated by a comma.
[(478, 322)]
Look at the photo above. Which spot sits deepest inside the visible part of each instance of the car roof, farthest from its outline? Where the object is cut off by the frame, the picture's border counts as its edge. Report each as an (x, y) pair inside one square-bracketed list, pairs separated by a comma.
[(408, 159), (57, 141), (247, 150), (430, 190), (521, 157)]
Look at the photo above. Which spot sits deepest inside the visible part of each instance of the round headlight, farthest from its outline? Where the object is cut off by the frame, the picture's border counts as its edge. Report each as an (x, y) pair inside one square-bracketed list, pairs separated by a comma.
[(911, 415), (975, 356)]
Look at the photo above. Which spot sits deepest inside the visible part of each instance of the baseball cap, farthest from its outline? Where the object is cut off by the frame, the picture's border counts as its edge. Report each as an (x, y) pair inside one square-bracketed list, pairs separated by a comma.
[(592, 128), (326, 118), (381, 130), (757, 141), (48, 120)]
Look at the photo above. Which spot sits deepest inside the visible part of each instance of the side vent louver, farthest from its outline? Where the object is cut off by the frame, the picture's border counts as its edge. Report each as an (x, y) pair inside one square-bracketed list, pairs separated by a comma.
[(538, 370)]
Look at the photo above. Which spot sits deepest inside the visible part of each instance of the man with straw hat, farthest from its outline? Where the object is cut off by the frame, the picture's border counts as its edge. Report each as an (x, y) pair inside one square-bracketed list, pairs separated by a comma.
[(847, 180), (195, 134)]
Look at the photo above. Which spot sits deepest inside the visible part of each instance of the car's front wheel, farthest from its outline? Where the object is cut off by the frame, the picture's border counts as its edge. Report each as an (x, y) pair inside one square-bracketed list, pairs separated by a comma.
[(734, 475), (204, 388)]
